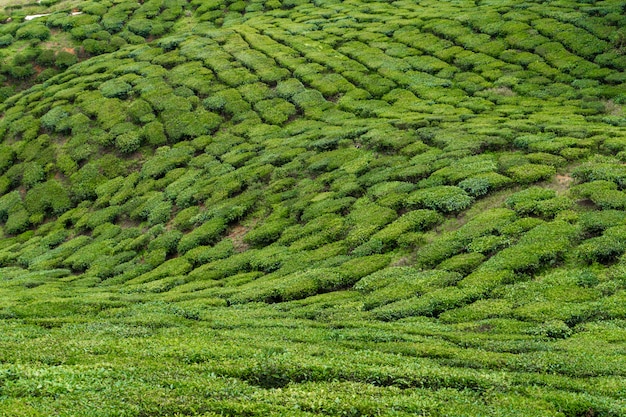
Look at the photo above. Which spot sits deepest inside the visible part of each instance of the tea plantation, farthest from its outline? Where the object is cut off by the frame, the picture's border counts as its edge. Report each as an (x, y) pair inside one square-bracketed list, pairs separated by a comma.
[(313, 208)]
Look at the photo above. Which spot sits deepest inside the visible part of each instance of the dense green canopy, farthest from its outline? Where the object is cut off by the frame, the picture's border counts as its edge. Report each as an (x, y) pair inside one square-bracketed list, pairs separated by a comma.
[(309, 208)]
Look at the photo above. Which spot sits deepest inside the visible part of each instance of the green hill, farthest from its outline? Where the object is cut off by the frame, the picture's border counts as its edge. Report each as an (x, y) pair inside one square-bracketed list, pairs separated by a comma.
[(300, 208)]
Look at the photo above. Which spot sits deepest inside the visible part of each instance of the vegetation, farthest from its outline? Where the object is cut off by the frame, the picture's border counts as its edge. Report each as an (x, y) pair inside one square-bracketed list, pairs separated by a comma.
[(286, 207)]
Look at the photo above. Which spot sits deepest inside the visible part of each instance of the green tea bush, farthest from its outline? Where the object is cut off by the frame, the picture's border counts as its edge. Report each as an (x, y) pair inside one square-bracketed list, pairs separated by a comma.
[(431, 304), (477, 311), (85, 182), (6, 40), (487, 280), (48, 197), (183, 124), (404, 283), (7, 157), (64, 60), (417, 220), (275, 111), (525, 202), (34, 30), (594, 222), (482, 184), (529, 173), (86, 255), (603, 193), (544, 245), (201, 255), (166, 159), (115, 88), (267, 233), (92, 220), (604, 249), (328, 227), (442, 198), (128, 142), (463, 263), (168, 241), (326, 206), (207, 233), (598, 169), (32, 174), (52, 119)]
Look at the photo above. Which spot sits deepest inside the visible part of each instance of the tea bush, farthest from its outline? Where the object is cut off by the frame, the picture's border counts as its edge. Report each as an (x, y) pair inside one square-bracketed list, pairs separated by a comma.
[(529, 173), (443, 198), (349, 163), (207, 233)]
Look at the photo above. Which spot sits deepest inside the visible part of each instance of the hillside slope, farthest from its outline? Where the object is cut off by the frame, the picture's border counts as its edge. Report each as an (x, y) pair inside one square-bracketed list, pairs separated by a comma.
[(314, 208)]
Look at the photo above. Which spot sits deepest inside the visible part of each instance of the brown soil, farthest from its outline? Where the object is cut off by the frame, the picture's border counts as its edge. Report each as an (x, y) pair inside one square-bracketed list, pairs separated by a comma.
[(236, 235), (564, 180)]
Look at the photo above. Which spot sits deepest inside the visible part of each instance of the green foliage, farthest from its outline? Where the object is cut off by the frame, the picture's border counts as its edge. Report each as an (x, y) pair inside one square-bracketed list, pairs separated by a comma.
[(33, 30), (529, 173), (165, 159), (266, 233), (443, 198), (538, 201), (288, 152), (85, 182), (48, 197), (207, 233), (65, 59), (417, 220), (463, 263), (115, 88), (604, 249)]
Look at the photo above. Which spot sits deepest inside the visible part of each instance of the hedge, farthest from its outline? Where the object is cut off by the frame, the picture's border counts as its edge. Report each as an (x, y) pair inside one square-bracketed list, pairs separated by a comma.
[(529, 173), (443, 198), (207, 233)]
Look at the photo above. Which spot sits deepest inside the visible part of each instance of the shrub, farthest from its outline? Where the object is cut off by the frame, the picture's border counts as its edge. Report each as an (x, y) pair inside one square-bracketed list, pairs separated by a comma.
[(154, 133), (33, 173), (442, 198), (17, 222), (275, 111), (94, 219), (207, 233), (180, 124), (482, 184), (267, 233), (599, 170), (65, 59), (416, 220), (168, 241), (115, 88), (463, 263), (47, 197), (595, 222), (431, 304), (166, 159), (606, 248), (487, 280), (529, 173), (53, 118), (7, 157), (544, 245), (141, 111), (525, 201), (201, 255), (6, 40), (85, 181), (128, 142), (33, 30)]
